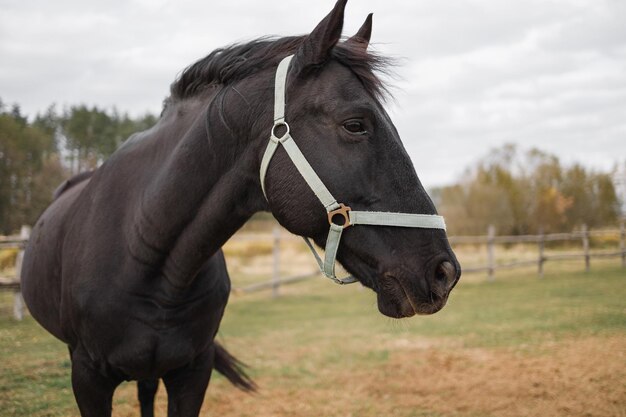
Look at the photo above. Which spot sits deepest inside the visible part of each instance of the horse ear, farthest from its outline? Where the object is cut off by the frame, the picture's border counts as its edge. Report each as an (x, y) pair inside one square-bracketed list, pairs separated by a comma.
[(362, 37), (317, 45)]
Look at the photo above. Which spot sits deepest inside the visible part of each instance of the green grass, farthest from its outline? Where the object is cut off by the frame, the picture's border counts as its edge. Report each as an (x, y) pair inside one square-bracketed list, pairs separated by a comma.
[(509, 311), (34, 377), (316, 322)]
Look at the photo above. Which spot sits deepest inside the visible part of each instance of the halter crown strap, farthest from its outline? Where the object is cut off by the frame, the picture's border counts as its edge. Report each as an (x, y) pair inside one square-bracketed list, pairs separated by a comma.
[(351, 217), (279, 89)]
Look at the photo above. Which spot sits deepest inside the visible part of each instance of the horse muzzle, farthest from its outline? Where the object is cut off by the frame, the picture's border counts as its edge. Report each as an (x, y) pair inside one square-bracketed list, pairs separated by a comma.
[(400, 296)]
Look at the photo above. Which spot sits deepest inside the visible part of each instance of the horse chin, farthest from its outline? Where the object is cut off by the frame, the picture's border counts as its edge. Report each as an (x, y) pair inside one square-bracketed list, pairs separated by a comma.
[(394, 308), (395, 300)]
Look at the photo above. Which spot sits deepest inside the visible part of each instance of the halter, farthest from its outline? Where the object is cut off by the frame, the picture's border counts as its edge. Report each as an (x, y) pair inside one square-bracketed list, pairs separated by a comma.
[(333, 209)]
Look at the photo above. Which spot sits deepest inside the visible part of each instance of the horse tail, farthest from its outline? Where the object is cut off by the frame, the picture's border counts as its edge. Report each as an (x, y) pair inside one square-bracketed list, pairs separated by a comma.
[(233, 369)]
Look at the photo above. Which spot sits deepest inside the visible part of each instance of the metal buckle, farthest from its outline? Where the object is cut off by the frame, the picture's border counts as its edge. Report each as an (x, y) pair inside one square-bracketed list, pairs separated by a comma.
[(279, 124), (342, 210)]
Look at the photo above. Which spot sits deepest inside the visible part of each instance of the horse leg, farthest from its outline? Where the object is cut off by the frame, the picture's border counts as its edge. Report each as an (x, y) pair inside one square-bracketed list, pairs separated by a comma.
[(92, 389), (186, 386), (146, 390)]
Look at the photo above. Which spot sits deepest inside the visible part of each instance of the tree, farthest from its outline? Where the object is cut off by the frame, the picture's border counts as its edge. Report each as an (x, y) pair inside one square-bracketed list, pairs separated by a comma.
[(24, 151), (90, 135), (93, 134), (525, 192), (31, 162)]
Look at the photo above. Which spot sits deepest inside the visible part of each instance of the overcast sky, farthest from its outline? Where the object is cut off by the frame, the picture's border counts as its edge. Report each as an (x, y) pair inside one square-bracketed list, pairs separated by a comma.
[(474, 74)]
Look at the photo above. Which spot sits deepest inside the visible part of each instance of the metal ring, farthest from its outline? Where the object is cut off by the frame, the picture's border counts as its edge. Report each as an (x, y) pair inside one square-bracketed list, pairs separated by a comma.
[(343, 210), (278, 124)]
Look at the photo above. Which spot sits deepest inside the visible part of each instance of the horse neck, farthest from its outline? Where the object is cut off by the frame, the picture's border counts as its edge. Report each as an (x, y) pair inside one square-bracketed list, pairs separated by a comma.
[(207, 189)]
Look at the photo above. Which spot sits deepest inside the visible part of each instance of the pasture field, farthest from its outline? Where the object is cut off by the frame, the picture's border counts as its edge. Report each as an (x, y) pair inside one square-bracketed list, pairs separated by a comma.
[(518, 346)]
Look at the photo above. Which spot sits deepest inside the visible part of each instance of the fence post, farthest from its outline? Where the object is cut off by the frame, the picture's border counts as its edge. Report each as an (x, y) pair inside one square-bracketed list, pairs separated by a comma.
[(491, 233), (586, 247), (541, 243), (18, 301), (276, 262), (622, 241)]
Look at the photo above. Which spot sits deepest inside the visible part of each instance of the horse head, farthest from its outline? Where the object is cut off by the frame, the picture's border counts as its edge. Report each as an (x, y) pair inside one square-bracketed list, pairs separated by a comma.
[(334, 112)]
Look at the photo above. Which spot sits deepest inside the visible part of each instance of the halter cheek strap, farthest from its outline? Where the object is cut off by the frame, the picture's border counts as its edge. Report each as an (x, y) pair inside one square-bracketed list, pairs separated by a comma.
[(333, 208)]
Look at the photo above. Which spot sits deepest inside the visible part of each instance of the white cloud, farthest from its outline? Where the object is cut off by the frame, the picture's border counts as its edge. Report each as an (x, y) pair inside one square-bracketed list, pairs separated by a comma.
[(476, 74)]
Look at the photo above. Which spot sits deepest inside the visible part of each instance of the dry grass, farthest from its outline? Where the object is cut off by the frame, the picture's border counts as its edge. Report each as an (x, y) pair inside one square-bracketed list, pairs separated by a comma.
[(572, 378), (7, 260), (582, 377)]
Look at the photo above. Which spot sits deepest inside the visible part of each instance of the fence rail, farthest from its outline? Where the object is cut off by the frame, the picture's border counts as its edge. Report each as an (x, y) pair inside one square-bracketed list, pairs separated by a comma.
[(13, 282), (490, 240)]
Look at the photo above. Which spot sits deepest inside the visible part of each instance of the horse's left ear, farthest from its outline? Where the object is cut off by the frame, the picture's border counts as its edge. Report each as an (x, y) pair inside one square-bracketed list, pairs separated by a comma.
[(362, 37), (317, 45)]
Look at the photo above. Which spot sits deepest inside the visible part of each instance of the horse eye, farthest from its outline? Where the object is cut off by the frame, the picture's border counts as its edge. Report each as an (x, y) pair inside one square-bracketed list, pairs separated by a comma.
[(354, 126)]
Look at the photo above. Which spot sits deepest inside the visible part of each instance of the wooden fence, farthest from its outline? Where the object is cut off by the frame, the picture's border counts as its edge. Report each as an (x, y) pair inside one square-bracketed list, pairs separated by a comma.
[(13, 282), (584, 236), (490, 241)]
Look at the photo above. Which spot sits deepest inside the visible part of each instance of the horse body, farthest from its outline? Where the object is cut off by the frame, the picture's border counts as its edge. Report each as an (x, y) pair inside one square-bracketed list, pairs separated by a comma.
[(89, 260), (125, 266)]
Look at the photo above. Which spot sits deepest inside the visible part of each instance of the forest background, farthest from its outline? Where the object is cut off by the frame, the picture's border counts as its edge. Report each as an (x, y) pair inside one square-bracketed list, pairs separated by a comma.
[(519, 191)]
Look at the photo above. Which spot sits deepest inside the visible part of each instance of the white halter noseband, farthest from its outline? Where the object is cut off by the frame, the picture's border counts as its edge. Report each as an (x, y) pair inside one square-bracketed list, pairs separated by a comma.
[(351, 217)]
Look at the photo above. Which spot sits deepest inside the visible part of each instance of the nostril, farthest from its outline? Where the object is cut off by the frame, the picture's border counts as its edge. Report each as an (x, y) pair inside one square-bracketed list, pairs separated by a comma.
[(446, 274)]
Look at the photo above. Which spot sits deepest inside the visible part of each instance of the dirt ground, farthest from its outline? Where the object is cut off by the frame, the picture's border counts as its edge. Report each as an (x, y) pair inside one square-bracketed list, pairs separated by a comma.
[(516, 347), (583, 377)]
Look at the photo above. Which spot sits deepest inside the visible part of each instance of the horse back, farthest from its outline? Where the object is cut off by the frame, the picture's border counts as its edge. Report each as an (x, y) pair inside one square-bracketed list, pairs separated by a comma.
[(69, 183)]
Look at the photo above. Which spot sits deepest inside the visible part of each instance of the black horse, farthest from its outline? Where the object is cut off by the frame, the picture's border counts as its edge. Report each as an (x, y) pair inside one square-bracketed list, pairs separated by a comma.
[(125, 266)]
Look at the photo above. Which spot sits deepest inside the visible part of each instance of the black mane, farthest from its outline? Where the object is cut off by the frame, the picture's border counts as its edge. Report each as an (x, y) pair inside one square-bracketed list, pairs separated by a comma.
[(238, 61)]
